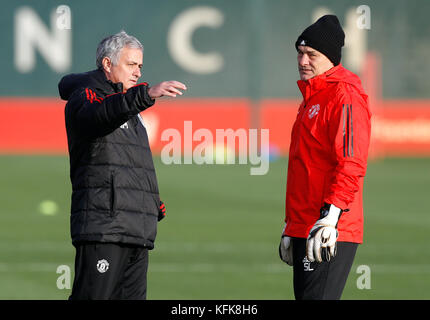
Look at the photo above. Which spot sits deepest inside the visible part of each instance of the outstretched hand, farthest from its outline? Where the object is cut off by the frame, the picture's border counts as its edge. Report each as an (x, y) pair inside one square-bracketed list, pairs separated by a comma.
[(166, 88)]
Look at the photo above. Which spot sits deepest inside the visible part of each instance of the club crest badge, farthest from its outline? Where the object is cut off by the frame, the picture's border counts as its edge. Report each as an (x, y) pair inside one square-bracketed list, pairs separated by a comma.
[(102, 266), (313, 111)]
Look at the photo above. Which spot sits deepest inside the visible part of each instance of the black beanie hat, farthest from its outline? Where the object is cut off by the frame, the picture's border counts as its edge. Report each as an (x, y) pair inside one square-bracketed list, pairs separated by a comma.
[(326, 36)]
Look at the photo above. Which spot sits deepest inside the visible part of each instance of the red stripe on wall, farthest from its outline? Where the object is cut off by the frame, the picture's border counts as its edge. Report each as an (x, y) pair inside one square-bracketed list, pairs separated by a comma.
[(208, 114), (279, 115), (32, 125), (36, 125), (399, 127)]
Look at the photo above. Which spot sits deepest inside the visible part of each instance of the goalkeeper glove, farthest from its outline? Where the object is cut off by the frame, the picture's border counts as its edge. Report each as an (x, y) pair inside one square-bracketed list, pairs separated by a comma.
[(286, 248), (161, 211), (321, 244)]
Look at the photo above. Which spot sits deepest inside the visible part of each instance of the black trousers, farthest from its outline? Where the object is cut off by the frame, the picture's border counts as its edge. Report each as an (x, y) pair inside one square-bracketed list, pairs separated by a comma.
[(325, 280), (106, 271)]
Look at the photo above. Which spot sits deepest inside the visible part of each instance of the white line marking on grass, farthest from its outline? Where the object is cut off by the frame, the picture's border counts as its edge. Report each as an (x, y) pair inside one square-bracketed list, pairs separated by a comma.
[(28, 267), (178, 267)]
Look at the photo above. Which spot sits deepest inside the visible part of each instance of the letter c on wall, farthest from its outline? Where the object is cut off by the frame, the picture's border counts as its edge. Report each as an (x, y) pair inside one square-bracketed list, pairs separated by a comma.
[(179, 40)]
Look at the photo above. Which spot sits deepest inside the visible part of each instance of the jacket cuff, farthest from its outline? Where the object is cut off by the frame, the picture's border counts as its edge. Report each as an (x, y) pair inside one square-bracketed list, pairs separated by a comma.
[(147, 101), (337, 203)]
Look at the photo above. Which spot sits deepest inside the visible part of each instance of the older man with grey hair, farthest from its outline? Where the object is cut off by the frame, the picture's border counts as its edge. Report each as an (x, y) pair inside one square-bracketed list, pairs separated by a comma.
[(115, 204)]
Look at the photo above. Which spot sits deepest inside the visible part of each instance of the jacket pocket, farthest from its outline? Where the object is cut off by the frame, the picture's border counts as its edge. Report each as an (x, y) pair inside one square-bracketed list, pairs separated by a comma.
[(112, 194)]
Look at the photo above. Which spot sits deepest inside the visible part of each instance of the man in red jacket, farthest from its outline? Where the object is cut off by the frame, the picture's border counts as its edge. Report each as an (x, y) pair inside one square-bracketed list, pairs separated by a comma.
[(327, 164)]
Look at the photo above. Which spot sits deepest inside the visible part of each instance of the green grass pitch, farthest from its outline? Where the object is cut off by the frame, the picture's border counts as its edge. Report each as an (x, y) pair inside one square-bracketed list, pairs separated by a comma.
[(221, 234)]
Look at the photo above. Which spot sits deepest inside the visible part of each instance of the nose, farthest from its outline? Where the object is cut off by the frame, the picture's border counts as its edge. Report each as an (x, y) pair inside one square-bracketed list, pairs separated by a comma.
[(137, 73), (303, 59)]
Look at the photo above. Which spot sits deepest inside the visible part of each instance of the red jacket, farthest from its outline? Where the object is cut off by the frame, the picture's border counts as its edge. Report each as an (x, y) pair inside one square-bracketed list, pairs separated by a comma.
[(328, 154)]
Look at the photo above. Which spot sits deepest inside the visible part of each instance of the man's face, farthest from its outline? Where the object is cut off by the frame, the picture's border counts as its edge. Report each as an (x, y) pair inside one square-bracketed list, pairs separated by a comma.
[(311, 62), (127, 70)]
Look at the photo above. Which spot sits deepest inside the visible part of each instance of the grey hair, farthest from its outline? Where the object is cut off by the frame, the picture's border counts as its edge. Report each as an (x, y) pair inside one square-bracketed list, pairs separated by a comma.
[(111, 47)]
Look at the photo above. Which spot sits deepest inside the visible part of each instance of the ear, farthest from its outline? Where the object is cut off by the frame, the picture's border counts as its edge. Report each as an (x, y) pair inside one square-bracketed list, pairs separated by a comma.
[(107, 64)]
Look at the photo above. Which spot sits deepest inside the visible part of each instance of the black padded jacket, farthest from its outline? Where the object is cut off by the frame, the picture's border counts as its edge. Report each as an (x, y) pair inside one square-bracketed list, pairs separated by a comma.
[(115, 194)]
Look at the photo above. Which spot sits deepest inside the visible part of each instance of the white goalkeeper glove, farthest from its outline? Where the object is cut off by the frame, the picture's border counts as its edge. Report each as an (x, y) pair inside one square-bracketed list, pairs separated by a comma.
[(321, 244), (286, 248)]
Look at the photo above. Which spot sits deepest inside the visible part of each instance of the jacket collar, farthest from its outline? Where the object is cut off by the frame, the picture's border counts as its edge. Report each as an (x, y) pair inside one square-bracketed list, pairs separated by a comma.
[(103, 84), (95, 79), (318, 83)]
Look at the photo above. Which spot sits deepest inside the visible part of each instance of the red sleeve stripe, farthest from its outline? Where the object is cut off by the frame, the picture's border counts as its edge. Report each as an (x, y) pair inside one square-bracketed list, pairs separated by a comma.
[(140, 84), (91, 96), (112, 94)]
